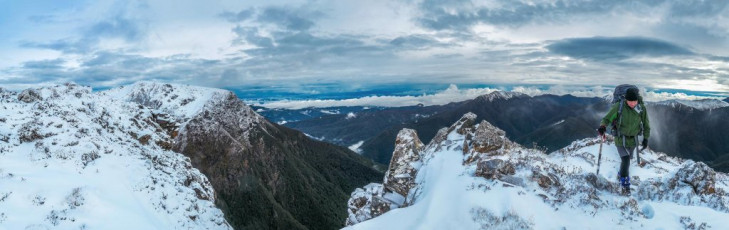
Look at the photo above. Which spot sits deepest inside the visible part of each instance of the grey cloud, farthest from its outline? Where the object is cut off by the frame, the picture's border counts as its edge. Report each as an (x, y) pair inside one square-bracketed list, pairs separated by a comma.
[(719, 58), (62, 45), (439, 15), (706, 38), (44, 64), (251, 35), (614, 49), (700, 8), (297, 20), (302, 50), (457, 15), (116, 27), (241, 16), (124, 61), (416, 41), (110, 68)]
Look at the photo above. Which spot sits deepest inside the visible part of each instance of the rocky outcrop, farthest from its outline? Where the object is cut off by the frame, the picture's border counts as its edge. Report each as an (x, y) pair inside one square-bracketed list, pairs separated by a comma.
[(367, 203), (375, 199), (464, 125), (29, 95), (494, 169), (700, 177), (398, 188), (486, 140), (400, 176)]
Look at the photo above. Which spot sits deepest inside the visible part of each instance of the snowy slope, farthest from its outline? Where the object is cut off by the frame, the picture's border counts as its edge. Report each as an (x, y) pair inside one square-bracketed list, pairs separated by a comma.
[(182, 102), (72, 159), (472, 177), (704, 104)]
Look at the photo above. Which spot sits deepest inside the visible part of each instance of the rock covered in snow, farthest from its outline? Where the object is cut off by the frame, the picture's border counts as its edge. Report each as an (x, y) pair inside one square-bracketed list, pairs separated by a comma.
[(375, 199), (400, 176), (486, 139), (71, 159), (28, 96), (462, 126), (229, 110), (507, 186), (367, 203), (698, 175)]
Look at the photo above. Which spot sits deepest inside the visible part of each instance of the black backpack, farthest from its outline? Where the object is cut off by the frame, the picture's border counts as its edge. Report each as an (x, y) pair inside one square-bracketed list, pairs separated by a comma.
[(619, 97)]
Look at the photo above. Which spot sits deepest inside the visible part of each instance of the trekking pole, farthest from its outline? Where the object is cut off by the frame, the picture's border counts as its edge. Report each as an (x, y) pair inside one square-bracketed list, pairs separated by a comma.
[(599, 154), (638, 149)]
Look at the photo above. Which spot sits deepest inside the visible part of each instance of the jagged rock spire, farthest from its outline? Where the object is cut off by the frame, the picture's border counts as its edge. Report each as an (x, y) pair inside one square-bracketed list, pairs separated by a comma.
[(400, 176)]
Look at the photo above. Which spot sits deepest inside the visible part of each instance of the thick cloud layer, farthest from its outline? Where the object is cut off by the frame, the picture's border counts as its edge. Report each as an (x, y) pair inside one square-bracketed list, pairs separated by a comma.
[(290, 44)]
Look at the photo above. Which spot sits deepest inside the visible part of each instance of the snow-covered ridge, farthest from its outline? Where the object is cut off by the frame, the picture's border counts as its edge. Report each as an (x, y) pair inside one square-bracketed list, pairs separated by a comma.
[(703, 104), (72, 159), (504, 95), (472, 177), (180, 101)]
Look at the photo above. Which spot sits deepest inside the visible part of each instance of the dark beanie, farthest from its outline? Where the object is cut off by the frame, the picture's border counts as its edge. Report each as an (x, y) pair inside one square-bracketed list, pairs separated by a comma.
[(631, 94)]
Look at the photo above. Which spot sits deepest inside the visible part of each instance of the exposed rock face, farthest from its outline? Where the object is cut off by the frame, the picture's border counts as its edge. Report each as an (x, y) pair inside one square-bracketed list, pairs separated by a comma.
[(462, 126), (400, 176), (486, 140), (494, 169), (698, 175), (397, 189), (29, 95), (367, 203)]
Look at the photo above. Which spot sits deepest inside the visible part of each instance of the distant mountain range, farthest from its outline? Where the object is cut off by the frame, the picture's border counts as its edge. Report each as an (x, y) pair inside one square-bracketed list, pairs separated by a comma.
[(547, 122), (283, 116), (350, 128)]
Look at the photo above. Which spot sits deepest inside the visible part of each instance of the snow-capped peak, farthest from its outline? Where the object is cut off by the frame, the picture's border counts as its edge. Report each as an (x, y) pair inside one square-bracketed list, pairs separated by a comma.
[(503, 95), (475, 178), (703, 104), (72, 159), (181, 102)]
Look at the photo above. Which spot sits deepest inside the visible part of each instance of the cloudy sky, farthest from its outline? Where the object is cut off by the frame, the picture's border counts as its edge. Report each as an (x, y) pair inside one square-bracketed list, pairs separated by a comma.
[(320, 47)]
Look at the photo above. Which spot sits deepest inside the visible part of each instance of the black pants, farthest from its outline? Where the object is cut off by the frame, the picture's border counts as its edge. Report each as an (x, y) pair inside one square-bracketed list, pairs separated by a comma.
[(625, 154), (624, 165)]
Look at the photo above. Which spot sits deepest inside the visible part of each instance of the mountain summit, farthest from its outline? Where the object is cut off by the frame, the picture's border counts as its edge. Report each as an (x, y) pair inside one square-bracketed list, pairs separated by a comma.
[(470, 176)]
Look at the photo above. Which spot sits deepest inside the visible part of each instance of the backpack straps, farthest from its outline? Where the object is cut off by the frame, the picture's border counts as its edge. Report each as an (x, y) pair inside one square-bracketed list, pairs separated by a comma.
[(620, 118)]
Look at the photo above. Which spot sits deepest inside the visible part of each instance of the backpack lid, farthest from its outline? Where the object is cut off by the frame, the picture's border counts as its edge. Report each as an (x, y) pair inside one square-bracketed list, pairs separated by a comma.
[(621, 90)]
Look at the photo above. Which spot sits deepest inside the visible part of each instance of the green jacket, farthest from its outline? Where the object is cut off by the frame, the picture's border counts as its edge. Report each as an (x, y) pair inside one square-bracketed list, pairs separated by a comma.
[(630, 125)]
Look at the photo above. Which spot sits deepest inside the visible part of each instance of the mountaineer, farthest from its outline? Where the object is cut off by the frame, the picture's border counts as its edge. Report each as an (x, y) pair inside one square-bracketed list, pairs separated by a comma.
[(628, 119)]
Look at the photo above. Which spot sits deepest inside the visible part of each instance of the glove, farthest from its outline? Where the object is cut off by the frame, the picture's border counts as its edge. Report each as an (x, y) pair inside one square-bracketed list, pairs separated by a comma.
[(601, 130), (645, 143)]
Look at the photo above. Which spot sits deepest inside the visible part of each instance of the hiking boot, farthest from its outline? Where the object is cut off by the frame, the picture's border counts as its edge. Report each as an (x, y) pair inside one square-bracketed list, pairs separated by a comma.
[(625, 191), (625, 184)]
